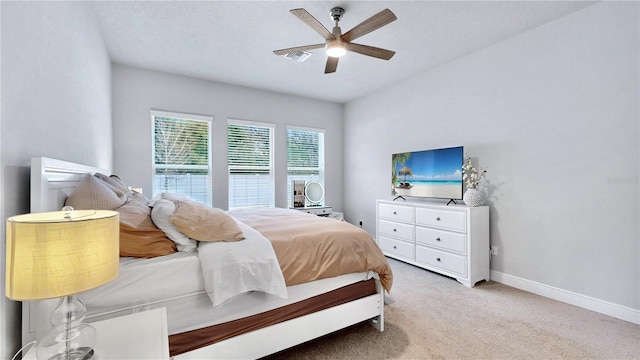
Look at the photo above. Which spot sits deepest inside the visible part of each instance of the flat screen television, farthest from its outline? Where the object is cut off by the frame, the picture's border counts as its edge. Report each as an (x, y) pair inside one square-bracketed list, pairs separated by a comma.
[(435, 173)]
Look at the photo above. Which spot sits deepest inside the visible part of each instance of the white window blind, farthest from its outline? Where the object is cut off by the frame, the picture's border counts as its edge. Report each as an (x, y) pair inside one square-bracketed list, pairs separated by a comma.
[(250, 159), (181, 155), (305, 156)]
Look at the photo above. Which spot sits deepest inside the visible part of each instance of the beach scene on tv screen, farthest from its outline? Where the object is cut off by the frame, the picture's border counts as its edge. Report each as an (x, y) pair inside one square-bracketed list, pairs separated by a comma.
[(429, 173)]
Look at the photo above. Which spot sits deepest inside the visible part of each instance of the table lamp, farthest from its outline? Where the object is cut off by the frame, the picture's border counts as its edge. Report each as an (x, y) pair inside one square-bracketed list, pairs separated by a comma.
[(59, 254)]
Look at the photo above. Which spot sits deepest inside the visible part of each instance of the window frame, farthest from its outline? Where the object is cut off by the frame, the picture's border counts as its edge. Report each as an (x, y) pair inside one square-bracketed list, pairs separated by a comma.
[(321, 160), (231, 203), (208, 197)]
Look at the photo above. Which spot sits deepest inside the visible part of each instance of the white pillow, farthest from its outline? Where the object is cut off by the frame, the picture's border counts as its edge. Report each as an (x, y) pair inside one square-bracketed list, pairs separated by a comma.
[(169, 196), (160, 213)]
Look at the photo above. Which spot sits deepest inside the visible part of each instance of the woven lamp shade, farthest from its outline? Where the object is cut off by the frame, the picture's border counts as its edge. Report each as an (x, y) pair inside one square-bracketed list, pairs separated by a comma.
[(49, 256)]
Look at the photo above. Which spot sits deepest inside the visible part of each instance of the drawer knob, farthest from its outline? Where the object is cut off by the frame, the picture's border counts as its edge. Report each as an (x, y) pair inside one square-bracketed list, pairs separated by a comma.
[(395, 247), (438, 259), (395, 230), (438, 239), (438, 218), (395, 213)]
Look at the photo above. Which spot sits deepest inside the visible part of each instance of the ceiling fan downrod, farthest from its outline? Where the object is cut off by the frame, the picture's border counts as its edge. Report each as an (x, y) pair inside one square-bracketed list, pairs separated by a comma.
[(336, 47)]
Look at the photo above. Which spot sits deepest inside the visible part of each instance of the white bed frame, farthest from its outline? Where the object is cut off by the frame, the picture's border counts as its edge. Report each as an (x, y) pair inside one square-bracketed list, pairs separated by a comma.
[(53, 180)]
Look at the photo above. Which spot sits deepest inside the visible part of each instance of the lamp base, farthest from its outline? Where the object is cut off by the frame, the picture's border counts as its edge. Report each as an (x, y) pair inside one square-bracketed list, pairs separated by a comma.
[(57, 345), (82, 353), (70, 339)]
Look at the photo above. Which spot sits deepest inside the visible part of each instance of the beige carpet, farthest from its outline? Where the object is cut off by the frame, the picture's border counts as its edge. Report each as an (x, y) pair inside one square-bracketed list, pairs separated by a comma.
[(429, 316)]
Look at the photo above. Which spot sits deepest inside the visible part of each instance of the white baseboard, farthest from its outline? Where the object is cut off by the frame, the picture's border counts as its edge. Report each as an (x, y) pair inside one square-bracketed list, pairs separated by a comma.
[(580, 300)]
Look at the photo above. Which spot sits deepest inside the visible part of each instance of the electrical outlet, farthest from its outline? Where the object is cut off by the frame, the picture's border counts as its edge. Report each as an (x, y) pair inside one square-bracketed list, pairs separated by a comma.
[(494, 250)]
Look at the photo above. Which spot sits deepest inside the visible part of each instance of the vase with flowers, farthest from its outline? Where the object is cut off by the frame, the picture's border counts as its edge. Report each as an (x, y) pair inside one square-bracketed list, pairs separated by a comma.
[(471, 177)]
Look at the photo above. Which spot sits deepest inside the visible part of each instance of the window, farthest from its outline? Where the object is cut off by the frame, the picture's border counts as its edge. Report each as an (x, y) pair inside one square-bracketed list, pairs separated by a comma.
[(250, 159), (181, 155), (305, 156)]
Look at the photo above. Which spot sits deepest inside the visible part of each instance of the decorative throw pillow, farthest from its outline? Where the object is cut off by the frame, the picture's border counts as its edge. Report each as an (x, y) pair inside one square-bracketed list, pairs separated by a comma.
[(160, 213), (114, 181), (138, 197), (139, 237), (204, 223), (94, 194)]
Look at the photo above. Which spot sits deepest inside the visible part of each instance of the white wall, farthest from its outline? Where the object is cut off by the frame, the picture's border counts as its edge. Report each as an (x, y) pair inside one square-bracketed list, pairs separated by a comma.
[(56, 102), (136, 91), (553, 114)]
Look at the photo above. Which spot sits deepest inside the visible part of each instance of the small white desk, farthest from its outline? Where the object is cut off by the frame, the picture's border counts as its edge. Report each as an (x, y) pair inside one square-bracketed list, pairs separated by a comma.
[(141, 335)]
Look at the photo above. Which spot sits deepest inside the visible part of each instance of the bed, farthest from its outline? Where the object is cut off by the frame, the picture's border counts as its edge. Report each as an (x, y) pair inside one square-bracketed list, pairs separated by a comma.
[(248, 318)]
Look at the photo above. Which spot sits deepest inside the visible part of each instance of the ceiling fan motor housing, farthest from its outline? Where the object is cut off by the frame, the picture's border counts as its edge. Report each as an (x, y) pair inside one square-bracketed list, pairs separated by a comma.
[(336, 13)]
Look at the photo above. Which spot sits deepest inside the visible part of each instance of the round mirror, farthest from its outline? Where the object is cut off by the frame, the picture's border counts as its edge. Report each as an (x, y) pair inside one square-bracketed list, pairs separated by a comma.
[(314, 192)]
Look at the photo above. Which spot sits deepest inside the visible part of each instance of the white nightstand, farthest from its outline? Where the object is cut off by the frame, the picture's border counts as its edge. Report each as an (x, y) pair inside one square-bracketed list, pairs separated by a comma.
[(337, 215), (141, 335), (316, 210)]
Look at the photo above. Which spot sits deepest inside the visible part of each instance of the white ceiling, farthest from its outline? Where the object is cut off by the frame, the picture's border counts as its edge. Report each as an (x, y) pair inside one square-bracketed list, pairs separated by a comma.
[(232, 41)]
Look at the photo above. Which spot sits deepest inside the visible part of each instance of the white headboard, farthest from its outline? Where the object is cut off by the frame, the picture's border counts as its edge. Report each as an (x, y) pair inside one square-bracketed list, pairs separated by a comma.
[(51, 183), (53, 180)]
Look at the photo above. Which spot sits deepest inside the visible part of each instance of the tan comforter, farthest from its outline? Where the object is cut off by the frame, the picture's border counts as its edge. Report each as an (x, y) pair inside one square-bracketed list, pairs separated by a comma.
[(310, 247)]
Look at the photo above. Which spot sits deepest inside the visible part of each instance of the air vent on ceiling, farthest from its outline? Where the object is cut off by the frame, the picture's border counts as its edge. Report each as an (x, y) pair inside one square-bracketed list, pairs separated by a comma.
[(298, 56)]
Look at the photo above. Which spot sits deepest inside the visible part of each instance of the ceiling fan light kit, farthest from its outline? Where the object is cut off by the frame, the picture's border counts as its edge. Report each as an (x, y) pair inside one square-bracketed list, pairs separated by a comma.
[(336, 49), (336, 43)]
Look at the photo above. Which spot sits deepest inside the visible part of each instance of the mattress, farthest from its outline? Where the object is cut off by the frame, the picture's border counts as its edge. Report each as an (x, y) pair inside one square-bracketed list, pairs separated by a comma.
[(145, 281), (175, 283)]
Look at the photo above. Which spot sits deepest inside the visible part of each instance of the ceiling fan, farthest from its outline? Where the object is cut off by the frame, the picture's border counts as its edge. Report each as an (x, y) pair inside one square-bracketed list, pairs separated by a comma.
[(336, 43)]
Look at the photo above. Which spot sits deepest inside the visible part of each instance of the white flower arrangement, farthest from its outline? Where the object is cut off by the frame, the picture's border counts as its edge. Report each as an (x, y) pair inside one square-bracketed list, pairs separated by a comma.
[(470, 174)]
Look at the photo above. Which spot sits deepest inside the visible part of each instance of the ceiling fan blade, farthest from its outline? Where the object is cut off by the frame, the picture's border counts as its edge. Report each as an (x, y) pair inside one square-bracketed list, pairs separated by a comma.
[(308, 19), (375, 22), (371, 51), (298, 48), (332, 65)]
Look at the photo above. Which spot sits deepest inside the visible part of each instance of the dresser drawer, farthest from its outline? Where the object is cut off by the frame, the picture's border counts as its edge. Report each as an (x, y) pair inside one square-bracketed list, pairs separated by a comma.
[(442, 239), (397, 230), (444, 219), (396, 212), (396, 247), (443, 260)]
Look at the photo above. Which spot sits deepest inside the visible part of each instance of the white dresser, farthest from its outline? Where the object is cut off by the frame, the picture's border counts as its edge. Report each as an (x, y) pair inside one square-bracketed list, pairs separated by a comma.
[(452, 240)]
